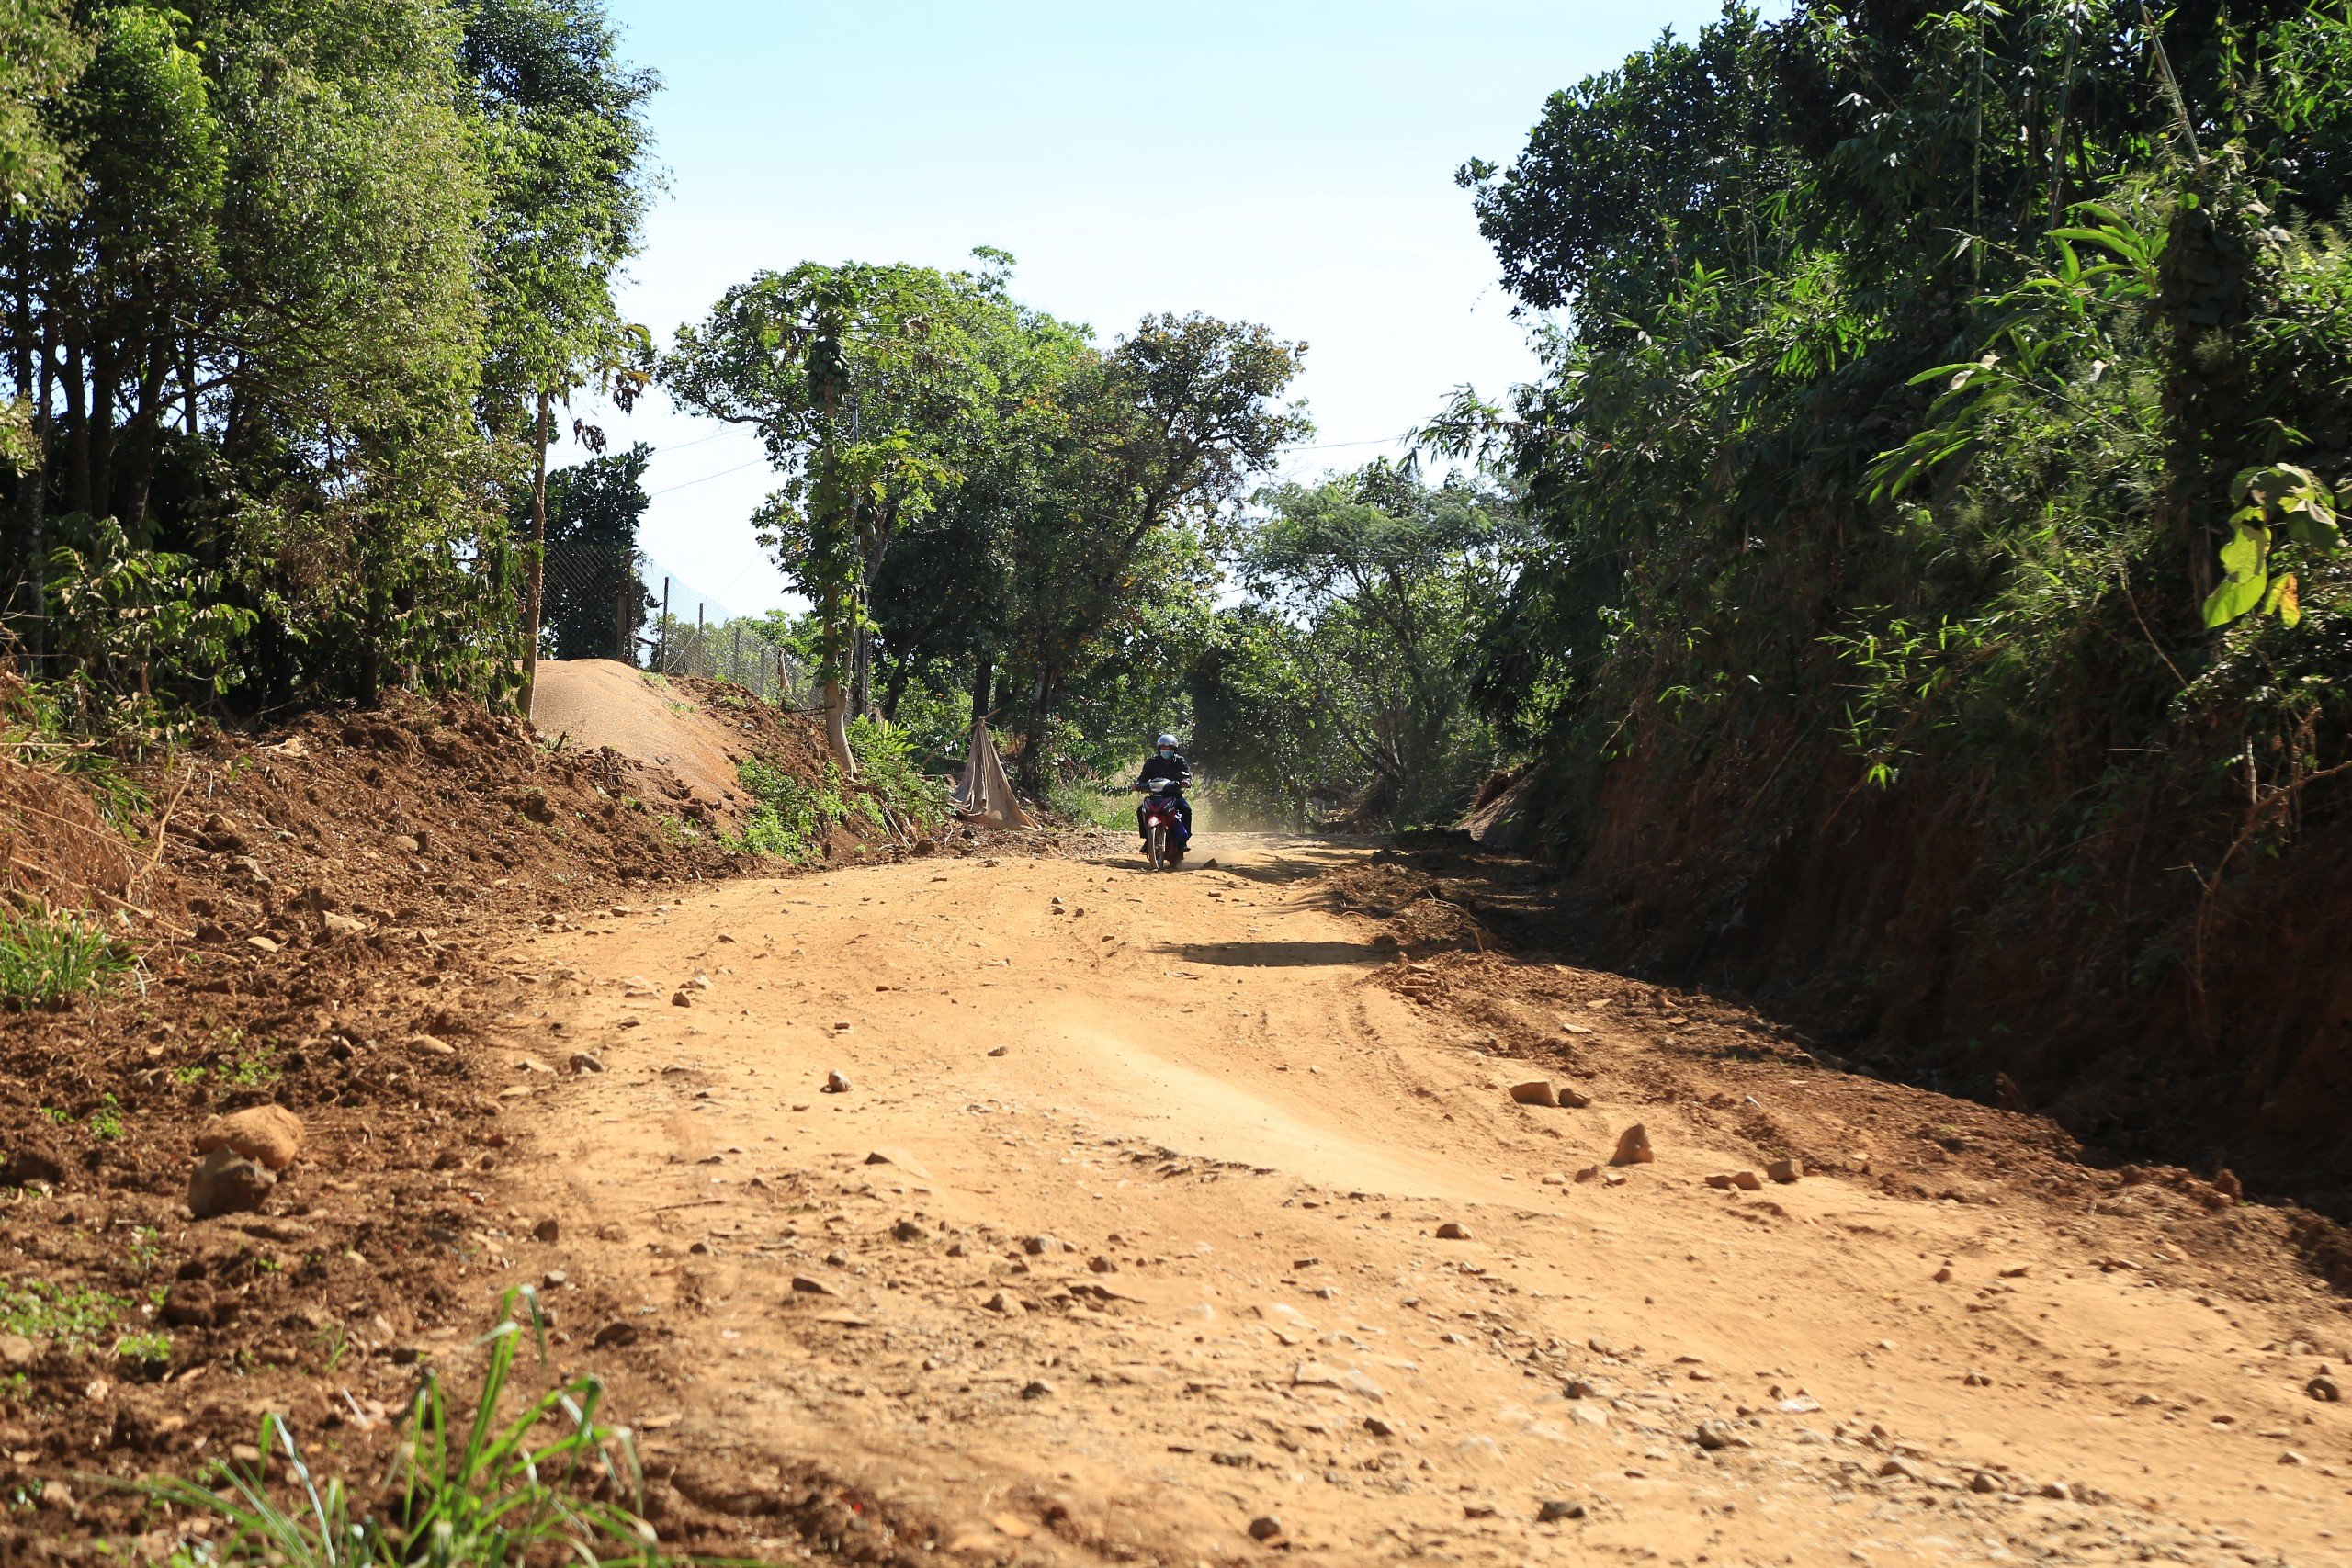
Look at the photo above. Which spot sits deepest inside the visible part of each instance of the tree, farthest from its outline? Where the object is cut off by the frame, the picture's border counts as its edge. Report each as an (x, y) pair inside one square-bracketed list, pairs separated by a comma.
[(248, 318), (1378, 589), (1160, 433), (1260, 729), (568, 151), (42, 54), (869, 386)]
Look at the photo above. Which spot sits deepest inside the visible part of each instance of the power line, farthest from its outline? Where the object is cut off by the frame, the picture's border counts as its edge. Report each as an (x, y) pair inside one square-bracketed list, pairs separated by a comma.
[(688, 484)]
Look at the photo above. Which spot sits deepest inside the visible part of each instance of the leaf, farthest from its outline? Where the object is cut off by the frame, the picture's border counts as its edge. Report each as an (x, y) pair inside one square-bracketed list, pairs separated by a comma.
[(2245, 558), (2285, 600)]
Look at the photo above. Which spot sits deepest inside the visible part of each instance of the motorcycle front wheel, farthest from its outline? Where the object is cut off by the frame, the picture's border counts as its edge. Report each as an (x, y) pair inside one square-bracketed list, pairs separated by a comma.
[(1159, 849)]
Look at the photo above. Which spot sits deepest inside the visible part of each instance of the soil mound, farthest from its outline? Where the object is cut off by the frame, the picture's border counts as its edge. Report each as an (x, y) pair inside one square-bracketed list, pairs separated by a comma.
[(698, 732), (311, 915)]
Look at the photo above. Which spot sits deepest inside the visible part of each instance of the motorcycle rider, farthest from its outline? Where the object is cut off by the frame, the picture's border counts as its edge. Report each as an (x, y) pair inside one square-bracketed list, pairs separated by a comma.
[(1166, 763)]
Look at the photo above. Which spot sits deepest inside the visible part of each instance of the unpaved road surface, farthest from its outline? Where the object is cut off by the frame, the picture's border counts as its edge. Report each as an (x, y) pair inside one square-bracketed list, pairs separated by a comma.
[(1126, 1234)]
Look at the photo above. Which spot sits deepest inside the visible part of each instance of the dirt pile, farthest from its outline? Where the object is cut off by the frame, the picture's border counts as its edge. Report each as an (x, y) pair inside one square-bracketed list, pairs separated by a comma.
[(697, 731), (312, 913)]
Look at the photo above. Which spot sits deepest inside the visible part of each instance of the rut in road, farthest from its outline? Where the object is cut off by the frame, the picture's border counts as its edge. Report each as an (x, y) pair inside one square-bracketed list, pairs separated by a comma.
[(1128, 1235)]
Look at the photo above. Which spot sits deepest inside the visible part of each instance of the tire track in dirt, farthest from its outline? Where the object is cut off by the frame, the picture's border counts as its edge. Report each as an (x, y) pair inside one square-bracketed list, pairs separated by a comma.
[(1169, 1265)]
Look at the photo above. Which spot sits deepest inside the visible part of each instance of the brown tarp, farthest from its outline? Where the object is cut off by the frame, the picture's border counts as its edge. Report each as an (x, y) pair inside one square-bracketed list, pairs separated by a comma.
[(984, 793)]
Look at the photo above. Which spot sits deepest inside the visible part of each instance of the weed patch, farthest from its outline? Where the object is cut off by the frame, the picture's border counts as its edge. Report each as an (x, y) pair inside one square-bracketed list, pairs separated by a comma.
[(792, 815), (74, 1315), (47, 955), (490, 1489), (889, 782)]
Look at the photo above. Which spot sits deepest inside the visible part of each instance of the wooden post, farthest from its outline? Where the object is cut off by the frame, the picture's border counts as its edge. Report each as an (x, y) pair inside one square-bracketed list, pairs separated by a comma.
[(536, 597), (662, 644)]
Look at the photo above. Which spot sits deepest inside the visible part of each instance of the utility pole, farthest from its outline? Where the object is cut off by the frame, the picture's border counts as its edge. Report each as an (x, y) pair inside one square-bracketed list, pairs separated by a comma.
[(662, 645)]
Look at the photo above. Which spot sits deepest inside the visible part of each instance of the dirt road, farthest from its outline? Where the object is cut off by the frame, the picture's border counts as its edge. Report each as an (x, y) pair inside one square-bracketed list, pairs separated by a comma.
[(1127, 1239)]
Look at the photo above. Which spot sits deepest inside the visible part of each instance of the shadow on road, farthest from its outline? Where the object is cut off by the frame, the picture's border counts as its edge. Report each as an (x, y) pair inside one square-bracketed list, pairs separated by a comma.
[(1278, 954)]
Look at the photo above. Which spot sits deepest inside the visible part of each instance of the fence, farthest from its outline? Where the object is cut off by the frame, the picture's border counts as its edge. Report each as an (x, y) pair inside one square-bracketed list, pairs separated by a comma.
[(604, 599), (593, 601), (743, 651)]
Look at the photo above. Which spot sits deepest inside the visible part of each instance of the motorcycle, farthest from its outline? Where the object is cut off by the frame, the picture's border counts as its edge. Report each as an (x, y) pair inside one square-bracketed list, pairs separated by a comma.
[(1163, 826)]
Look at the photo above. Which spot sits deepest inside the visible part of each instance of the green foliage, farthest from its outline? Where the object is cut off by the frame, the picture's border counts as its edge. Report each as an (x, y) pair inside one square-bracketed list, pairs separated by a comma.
[(970, 486), (791, 818), (134, 621), (105, 1121), (567, 148), (36, 727), (1943, 387), (41, 52), (596, 608), (2280, 498), (893, 791), (509, 1482), (1351, 672), (73, 1316), (1262, 736), (151, 1348), (891, 794), (47, 955), (256, 1068), (865, 383), (285, 262)]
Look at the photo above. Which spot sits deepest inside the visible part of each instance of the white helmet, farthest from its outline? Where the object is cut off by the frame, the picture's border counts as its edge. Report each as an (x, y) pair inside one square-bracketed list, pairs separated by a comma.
[(1167, 740)]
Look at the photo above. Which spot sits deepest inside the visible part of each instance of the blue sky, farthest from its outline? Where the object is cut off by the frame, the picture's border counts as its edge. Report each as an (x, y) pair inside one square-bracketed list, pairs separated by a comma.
[(1290, 163)]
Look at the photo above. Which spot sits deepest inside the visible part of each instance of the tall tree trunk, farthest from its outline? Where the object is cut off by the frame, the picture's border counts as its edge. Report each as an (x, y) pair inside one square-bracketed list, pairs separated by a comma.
[(830, 697), (32, 481), (147, 436), (106, 371), (77, 421), (861, 669), (983, 685), (1031, 768), (539, 563), (37, 529)]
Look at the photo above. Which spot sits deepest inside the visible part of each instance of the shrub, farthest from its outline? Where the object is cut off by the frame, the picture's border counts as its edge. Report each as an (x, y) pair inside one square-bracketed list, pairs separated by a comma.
[(792, 815), (889, 782), (891, 792)]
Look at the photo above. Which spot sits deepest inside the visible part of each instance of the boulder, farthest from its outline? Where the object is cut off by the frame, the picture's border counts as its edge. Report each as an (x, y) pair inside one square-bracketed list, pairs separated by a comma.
[(269, 1135), (1633, 1146), (225, 1182), (1535, 1091)]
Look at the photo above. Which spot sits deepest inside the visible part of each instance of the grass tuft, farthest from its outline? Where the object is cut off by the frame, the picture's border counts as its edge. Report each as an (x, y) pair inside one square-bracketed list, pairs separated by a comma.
[(495, 1490), (47, 955)]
